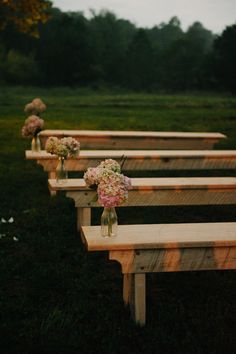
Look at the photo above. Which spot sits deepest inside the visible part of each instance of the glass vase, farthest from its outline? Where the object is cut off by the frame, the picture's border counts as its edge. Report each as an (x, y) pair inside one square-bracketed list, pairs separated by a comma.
[(61, 171), (35, 144), (109, 222)]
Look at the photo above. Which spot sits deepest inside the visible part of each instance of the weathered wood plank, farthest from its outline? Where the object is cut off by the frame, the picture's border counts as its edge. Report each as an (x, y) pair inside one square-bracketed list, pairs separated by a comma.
[(160, 191), (176, 260), (146, 160), (162, 236), (94, 139), (152, 183)]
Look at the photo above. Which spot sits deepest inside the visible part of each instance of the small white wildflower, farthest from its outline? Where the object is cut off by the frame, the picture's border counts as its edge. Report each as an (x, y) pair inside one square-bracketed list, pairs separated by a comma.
[(15, 239), (11, 220), (3, 220)]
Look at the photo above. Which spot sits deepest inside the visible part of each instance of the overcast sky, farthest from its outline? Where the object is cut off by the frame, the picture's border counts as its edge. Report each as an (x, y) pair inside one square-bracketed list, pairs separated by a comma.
[(215, 15)]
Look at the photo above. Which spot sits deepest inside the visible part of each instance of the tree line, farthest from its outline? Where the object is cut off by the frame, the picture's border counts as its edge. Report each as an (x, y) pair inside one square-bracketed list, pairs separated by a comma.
[(72, 50)]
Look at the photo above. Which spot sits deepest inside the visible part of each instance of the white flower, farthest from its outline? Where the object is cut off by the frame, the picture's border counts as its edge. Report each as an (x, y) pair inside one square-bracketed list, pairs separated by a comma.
[(51, 144), (110, 164), (10, 220)]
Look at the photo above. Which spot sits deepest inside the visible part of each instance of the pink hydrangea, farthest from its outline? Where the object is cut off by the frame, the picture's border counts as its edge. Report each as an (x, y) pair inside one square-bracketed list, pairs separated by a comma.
[(35, 107), (113, 189), (112, 186), (72, 145), (92, 176), (33, 125), (65, 147)]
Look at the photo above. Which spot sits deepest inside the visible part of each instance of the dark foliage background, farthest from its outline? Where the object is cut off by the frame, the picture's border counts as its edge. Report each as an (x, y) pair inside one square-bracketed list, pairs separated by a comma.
[(104, 50)]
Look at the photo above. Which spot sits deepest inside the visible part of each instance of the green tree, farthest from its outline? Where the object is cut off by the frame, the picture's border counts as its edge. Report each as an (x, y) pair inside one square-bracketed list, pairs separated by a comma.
[(110, 39), (184, 60), (225, 58), (162, 38), (20, 69), (201, 37), (64, 52), (24, 15), (165, 34), (140, 62)]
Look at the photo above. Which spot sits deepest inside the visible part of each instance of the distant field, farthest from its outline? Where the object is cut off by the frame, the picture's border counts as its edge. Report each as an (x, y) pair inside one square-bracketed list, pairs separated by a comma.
[(68, 108), (57, 298)]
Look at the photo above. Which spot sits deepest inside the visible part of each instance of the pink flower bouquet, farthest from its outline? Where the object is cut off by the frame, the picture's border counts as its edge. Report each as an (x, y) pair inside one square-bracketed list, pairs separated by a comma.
[(33, 125), (65, 147), (35, 107), (111, 185)]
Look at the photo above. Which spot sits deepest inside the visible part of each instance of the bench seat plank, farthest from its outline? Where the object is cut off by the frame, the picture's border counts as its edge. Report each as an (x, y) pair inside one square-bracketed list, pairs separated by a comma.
[(162, 236), (95, 139), (146, 160), (152, 183)]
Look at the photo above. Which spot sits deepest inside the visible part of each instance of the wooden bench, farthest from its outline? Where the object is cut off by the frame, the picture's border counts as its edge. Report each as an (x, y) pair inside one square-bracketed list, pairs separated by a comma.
[(154, 192), (95, 139), (141, 160), (142, 249)]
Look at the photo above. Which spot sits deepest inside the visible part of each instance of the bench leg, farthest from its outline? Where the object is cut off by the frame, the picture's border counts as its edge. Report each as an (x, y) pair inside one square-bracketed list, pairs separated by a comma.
[(134, 294), (140, 298), (52, 175), (127, 287), (83, 217)]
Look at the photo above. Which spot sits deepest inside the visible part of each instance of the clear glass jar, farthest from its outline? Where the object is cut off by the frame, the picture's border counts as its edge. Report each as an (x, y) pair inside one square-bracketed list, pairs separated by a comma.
[(109, 222), (61, 171), (35, 144)]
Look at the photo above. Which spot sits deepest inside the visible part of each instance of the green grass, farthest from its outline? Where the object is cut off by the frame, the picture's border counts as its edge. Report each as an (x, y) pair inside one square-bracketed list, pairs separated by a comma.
[(55, 297)]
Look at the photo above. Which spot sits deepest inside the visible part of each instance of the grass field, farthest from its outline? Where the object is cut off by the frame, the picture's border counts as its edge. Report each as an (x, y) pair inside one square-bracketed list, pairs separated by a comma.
[(57, 298)]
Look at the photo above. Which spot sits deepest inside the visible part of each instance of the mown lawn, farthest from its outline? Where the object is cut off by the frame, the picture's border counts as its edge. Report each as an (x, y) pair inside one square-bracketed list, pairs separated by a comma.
[(55, 297)]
